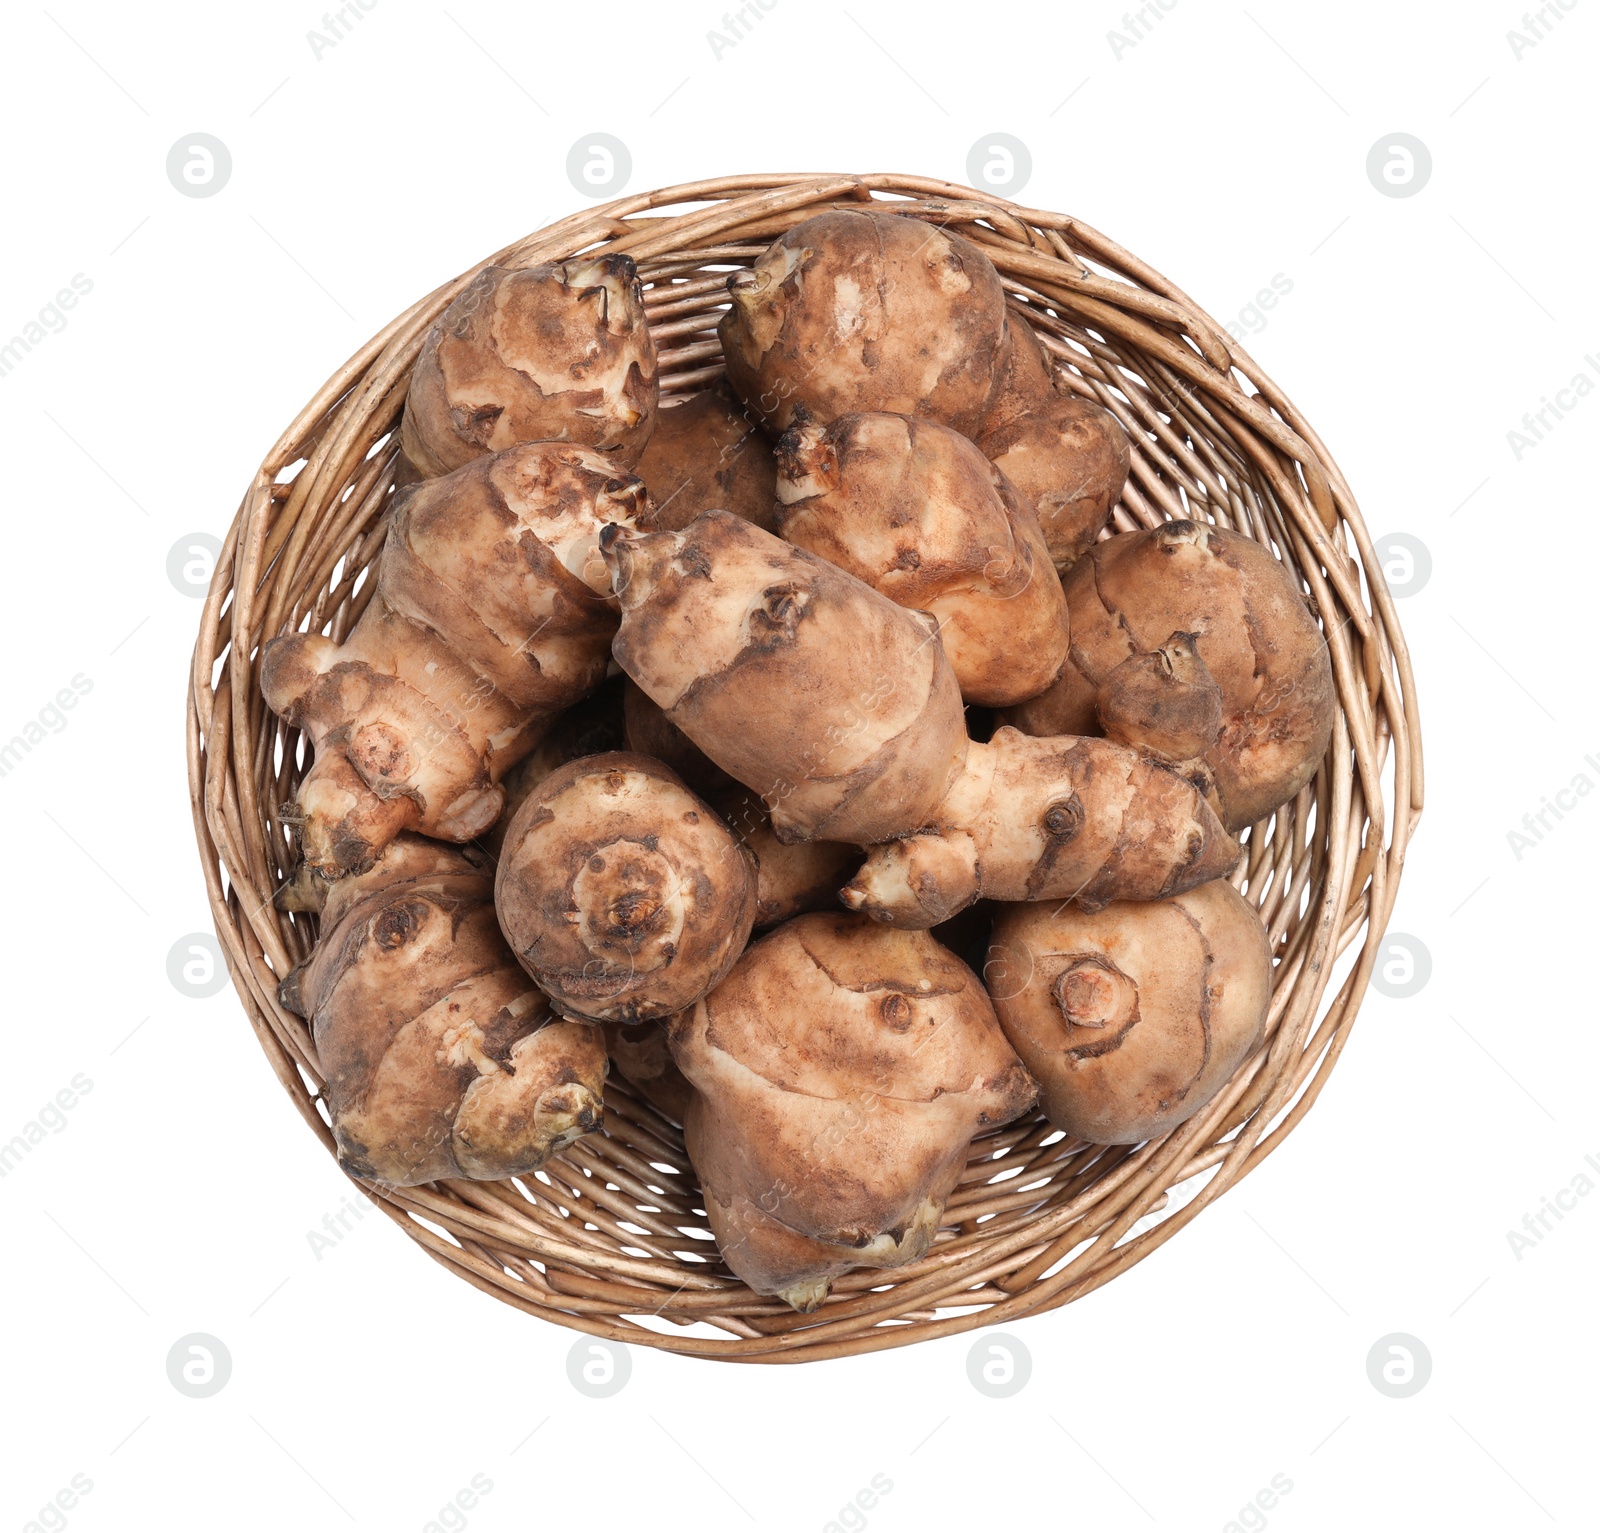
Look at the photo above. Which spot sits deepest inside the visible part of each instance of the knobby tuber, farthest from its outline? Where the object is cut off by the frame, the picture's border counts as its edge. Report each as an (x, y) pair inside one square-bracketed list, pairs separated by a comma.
[(1131, 1018), (800, 681), (1252, 629), (440, 1059), (493, 612), (916, 511), (1060, 818), (554, 353), (620, 892), (858, 310), (840, 1073), (707, 454)]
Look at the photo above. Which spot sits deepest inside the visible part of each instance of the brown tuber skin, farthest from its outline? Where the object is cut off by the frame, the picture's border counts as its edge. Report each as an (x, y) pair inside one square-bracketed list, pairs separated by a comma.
[(1069, 458), (620, 892), (1167, 704), (493, 612), (555, 353), (705, 455), (441, 1060), (918, 513), (1253, 631), (651, 733), (1134, 1017), (639, 1054), (835, 705), (859, 310), (1048, 819), (791, 877), (840, 1073)]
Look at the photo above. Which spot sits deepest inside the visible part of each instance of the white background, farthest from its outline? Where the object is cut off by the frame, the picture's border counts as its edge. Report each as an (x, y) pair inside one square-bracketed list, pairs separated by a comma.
[(368, 1386)]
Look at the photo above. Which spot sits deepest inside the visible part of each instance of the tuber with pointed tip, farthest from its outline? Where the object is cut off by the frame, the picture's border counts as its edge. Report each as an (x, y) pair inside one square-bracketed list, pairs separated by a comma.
[(1252, 628), (620, 892), (553, 353), (917, 512), (493, 612), (1061, 818), (840, 1073), (708, 454), (440, 1059), (1133, 1017)]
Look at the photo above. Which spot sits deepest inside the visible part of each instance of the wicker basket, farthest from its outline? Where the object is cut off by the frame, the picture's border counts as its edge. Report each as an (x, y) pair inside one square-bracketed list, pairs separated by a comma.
[(597, 1242)]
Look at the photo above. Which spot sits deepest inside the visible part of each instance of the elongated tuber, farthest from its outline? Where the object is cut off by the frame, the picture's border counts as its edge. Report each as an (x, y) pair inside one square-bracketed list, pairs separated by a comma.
[(554, 353), (859, 310), (708, 454), (493, 611), (840, 1073), (440, 1059), (1131, 1018), (620, 892), (1253, 631), (1061, 818), (835, 705), (916, 511)]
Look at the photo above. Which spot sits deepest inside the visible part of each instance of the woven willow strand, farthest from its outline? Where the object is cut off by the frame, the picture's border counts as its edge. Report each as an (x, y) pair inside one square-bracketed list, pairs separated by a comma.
[(597, 1241)]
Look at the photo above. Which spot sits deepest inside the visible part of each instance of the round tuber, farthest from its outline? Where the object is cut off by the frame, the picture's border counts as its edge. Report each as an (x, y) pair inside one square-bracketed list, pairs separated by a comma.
[(554, 353), (1131, 1018), (620, 892)]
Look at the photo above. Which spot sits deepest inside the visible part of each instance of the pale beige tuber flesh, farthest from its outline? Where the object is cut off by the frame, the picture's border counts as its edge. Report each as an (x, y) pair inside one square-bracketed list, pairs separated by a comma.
[(1131, 1018), (1253, 630), (440, 1059), (840, 1074), (835, 705), (866, 310), (620, 892), (555, 353), (918, 513), (1055, 819), (493, 612), (708, 454)]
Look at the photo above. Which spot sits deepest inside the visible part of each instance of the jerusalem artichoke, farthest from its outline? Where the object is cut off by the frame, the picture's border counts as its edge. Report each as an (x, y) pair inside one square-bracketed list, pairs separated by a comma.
[(840, 1072), (554, 353), (440, 1059), (708, 454), (493, 611), (1133, 1017), (620, 892), (916, 511)]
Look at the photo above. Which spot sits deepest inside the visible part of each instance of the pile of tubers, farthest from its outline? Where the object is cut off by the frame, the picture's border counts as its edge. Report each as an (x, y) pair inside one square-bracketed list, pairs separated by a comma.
[(674, 732)]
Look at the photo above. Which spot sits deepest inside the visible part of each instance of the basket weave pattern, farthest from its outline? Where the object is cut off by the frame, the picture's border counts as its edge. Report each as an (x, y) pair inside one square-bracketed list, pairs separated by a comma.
[(597, 1240)]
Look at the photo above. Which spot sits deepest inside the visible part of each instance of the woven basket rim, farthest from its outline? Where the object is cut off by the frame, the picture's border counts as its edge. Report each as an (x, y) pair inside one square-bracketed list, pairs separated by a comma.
[(1042, 1221)]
